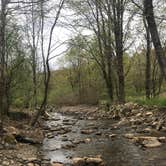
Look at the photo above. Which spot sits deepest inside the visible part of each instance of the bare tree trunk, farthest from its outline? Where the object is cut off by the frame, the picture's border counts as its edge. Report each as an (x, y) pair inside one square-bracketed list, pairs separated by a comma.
[(2, 61), (34, 63), (149, 14), (148, 62), (118, 11)]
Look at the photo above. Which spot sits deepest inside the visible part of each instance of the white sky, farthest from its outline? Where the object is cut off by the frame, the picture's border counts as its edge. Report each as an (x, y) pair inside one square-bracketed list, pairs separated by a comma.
[(63, 33)]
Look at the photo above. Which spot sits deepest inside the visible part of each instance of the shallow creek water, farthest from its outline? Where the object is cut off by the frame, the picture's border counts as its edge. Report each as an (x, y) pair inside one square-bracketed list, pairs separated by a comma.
[(65, 140)]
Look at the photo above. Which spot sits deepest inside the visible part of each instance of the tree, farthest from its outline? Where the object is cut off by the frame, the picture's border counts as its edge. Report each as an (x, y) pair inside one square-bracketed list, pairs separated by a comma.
[(149, 14), (2, 59), (46, 58), (105, 19), (148, 61)]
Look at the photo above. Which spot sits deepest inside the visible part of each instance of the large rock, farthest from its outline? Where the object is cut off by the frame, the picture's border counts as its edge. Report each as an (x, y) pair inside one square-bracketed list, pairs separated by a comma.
[(96, 161), (146, 141), (151, 142)]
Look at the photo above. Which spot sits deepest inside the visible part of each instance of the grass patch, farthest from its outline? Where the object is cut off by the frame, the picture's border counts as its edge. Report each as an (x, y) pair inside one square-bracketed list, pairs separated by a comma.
[(155, 101)]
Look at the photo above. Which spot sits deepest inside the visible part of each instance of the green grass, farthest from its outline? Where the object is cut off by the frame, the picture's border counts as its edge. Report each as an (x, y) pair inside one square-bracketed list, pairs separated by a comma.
[(155, 101)]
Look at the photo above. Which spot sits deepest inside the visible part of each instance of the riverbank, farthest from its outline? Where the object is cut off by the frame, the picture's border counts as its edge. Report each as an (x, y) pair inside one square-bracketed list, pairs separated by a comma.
[(20, 143)]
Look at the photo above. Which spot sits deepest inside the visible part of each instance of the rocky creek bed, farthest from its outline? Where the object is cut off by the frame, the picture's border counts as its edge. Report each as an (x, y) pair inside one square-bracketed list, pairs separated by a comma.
[(127, 135), (124, 135)]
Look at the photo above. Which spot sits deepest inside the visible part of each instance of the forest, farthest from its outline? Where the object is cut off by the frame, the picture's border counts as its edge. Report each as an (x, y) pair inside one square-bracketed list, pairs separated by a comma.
[(82, 80)]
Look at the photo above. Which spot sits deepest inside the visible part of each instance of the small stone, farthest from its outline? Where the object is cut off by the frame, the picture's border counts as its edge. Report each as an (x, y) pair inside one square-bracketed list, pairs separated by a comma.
[(112, 135), (97, 161), (129, 136), (99, 133), (6, 163), (30, 164), (87, 140), (87, 131), (57, 164), (149, 113), (162, 139)]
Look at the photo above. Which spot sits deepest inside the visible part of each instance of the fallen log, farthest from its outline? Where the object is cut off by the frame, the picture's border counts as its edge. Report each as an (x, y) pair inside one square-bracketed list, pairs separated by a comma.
[(26, 140)]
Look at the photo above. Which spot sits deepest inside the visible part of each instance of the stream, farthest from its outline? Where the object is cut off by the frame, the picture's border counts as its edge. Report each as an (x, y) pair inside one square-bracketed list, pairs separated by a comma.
[(68, 136)]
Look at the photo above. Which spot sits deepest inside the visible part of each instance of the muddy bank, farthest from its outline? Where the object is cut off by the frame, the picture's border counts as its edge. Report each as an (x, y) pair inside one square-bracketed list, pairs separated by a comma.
[(126, 135), (19, 143)]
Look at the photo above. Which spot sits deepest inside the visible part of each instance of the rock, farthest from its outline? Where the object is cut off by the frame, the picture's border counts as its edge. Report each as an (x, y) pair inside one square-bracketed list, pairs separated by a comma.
[(135, 121), (151, 142), (78, 141), (159, 125), (66, 120), (9, 139), (149, 113), (146, 130), (99, 133), (12, 130), (47, 115), (112, 135), (50, 135), (79, 161), (6, 163), (163, 129), (68, 146), (57, 164), (87, 140), (89, 131), (30, 164), (146, 141), (129, 136), (123, 122), (162, 139), (96, 161), (138, 114), (64, 139), (125, 111)]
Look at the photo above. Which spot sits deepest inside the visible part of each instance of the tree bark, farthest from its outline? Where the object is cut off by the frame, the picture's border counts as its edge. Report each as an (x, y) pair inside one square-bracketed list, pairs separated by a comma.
[(2, 60), (149, 14), (148, 62), (118, 11)]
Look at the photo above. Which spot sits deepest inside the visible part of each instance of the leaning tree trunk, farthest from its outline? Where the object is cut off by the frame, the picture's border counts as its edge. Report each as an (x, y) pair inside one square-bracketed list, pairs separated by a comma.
[(149, 14), (46, 59)]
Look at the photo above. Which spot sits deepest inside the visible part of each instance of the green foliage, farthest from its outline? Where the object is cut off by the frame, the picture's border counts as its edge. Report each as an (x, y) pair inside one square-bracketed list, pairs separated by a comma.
[(18, 102), (160, 101)]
